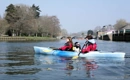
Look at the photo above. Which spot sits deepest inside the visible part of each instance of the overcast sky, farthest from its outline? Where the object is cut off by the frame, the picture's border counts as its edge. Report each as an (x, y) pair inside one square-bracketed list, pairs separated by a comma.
[(79, 15)]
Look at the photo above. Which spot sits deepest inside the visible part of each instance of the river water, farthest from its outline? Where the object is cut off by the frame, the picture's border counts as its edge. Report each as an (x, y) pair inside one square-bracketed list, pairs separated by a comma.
[(19, 62)]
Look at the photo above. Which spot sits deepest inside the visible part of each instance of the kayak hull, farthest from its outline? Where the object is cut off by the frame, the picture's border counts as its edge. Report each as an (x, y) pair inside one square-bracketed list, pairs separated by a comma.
[(49, 51)]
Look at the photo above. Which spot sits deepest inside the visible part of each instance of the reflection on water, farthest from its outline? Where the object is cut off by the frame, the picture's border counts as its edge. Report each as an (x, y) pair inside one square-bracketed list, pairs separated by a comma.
[(87, 66), (17, 63)]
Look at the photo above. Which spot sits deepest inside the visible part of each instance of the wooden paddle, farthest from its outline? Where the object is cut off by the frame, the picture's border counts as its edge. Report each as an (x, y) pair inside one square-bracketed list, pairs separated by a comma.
[(75, 57)]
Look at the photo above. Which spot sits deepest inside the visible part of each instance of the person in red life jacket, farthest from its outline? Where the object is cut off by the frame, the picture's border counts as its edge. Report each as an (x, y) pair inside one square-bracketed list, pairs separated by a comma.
[(90, 45), (68, 45)]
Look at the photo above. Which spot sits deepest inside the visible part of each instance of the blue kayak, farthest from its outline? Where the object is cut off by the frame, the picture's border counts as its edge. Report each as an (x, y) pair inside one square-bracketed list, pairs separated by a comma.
[(49, 51)]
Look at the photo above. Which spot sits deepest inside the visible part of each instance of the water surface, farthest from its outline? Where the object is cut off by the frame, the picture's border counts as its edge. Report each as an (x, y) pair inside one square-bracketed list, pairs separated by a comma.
[(19, 62)]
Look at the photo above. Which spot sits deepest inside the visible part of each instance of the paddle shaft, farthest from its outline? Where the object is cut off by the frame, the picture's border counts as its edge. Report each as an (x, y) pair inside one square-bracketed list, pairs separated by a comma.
[(82, 48), (54, 48)]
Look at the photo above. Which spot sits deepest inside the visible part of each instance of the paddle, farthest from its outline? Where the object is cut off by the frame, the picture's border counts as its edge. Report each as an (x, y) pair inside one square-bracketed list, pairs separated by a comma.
[(75, 57), (54, 48)]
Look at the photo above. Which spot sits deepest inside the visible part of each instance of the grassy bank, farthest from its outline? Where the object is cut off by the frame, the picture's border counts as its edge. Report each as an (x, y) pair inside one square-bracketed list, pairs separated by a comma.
[(27, 39)]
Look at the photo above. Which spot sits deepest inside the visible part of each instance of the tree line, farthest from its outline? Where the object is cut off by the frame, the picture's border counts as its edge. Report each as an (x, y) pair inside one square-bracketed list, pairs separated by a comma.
[(24, 20)]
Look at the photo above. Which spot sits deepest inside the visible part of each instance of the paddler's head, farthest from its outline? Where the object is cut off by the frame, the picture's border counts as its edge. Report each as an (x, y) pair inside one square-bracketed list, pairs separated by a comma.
[(77, 44), (88, 37), (69, 39)]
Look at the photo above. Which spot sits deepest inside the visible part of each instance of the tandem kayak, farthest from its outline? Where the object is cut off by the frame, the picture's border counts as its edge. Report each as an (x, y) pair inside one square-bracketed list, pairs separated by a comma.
[(49, 51)]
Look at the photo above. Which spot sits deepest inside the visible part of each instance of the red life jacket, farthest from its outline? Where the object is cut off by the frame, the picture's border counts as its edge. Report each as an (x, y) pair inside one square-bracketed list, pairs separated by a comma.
[(67, 47), (89, 47), (94, 47)]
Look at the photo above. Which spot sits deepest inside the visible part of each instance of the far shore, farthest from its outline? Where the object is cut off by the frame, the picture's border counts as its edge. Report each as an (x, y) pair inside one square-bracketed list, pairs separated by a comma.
[(27, 39)]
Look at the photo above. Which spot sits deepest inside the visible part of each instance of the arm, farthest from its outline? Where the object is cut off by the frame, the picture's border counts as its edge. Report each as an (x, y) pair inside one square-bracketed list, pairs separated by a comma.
[(65, 47), (86, 49)]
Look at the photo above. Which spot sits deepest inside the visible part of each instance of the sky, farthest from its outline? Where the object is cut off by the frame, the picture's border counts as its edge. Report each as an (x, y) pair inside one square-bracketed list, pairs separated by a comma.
[(79, 15)]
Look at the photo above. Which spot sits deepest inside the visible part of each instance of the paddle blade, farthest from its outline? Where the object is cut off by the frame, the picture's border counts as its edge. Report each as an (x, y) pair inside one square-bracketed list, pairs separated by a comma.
[(75, 57), (47, 50)]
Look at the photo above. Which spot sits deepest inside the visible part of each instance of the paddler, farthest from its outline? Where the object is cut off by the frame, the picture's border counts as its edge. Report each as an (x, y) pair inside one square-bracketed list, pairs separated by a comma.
[(68, 45), (90, 44), (77, 47)]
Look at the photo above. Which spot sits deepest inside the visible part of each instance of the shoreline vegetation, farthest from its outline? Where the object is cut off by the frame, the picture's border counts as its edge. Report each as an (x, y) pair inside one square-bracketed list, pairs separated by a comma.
[(28, 39), (24, 20)]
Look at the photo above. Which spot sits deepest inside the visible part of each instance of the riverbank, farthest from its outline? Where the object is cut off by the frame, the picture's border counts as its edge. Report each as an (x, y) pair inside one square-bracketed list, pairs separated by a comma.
[(27, 39), (119, 35)]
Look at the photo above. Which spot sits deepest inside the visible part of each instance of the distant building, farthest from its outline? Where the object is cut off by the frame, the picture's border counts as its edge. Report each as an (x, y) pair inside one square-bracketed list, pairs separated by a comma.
[(109, 32), (126, 27)]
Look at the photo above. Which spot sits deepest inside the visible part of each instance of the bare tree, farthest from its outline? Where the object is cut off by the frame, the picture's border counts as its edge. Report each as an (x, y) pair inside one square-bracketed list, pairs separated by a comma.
[(45, 25), (49, 25), (120, 24), (26, 16), (3, 26), (55, 26), (64, 32)]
